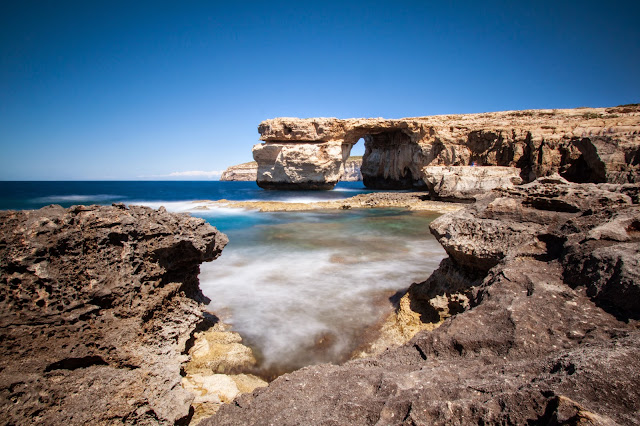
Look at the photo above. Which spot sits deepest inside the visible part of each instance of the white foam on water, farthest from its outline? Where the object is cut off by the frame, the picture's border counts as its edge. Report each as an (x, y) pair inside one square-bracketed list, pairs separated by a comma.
[(298, 304), (201, 208)]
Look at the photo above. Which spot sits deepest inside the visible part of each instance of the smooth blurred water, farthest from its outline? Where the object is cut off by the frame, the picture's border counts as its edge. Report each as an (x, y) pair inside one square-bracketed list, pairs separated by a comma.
[(300, 287), (303, 288)]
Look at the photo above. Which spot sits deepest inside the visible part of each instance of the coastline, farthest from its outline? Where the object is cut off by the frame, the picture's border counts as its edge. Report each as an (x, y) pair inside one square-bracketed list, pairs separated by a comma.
[(416, 201)]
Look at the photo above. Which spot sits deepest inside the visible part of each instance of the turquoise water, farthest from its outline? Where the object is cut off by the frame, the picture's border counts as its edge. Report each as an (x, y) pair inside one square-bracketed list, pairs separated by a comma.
[(300, 287), (304, 288)]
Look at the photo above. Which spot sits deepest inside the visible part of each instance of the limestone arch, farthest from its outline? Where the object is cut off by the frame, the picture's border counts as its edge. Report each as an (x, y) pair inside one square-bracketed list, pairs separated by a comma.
[(389, 159)]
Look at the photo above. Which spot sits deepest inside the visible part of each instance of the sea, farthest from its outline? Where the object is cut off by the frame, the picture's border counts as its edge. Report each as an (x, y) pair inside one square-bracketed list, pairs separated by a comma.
[(301, 288)]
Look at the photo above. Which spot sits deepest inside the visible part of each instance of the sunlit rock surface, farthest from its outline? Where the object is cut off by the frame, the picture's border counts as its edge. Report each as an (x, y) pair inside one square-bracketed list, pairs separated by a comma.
[(583, 145), (467, 182), (96, 307), (241, 172)]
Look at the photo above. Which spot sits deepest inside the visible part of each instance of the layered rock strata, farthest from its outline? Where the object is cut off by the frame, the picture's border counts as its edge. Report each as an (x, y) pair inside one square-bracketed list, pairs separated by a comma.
[(541, 284), (241, 172), (96, 307), (583, 145)]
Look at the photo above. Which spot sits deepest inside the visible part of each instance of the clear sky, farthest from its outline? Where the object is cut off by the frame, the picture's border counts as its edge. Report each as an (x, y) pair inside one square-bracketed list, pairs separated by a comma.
[(145, 89)]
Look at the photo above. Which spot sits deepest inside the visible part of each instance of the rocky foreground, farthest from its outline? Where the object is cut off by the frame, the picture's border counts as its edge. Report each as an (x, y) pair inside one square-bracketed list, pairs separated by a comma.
[(542, 290), (97, 307)]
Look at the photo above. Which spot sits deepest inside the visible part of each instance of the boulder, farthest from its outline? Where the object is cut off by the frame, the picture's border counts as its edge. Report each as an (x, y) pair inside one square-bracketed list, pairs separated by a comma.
[(97, 305), (461, 183)]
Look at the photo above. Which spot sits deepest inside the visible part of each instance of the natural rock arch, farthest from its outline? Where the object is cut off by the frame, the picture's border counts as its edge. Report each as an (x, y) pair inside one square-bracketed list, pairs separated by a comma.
[(583, 145)]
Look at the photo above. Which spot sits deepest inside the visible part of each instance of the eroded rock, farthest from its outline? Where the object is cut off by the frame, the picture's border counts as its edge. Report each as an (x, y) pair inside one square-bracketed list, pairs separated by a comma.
[(458, 183), (96, 306), (583, 145)]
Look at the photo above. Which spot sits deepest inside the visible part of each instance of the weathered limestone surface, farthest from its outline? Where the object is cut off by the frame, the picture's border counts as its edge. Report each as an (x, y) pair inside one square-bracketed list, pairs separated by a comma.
[(241, 172), (468, 182), (542, 285), (583, 145), (96, 307)]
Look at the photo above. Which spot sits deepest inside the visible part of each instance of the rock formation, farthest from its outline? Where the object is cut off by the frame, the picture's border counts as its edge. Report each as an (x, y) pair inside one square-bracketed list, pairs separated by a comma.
[(583, 145), (249, 171), (467, 182), (96, 307), (542, 284), (241, 172)]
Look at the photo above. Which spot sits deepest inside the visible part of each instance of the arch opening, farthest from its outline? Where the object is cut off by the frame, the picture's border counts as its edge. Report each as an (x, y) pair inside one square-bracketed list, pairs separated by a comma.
[(389, 161), (352, 161)]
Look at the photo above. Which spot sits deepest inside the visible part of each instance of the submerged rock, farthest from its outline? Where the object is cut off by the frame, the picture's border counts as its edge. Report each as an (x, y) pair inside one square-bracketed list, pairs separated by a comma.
[(542, 288), (96, 307)]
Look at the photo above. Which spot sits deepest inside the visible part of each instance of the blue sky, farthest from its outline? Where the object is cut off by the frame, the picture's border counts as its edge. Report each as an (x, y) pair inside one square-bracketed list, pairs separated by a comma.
[(93, 90)]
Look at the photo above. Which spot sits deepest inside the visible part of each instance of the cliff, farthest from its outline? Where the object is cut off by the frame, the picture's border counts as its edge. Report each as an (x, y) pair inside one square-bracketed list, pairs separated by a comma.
[(249, 171), (582, 145), (241, 172), (542, 291), (97, 305)]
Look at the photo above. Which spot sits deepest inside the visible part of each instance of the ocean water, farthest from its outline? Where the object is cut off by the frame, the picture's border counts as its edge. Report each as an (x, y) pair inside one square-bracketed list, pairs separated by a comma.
[(300, 287)]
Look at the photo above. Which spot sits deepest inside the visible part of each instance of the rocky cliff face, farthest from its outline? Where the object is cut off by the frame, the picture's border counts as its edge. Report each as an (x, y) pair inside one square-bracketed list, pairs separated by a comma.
[(583, 145), (241, 172), (96, 307), (548, 333)]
